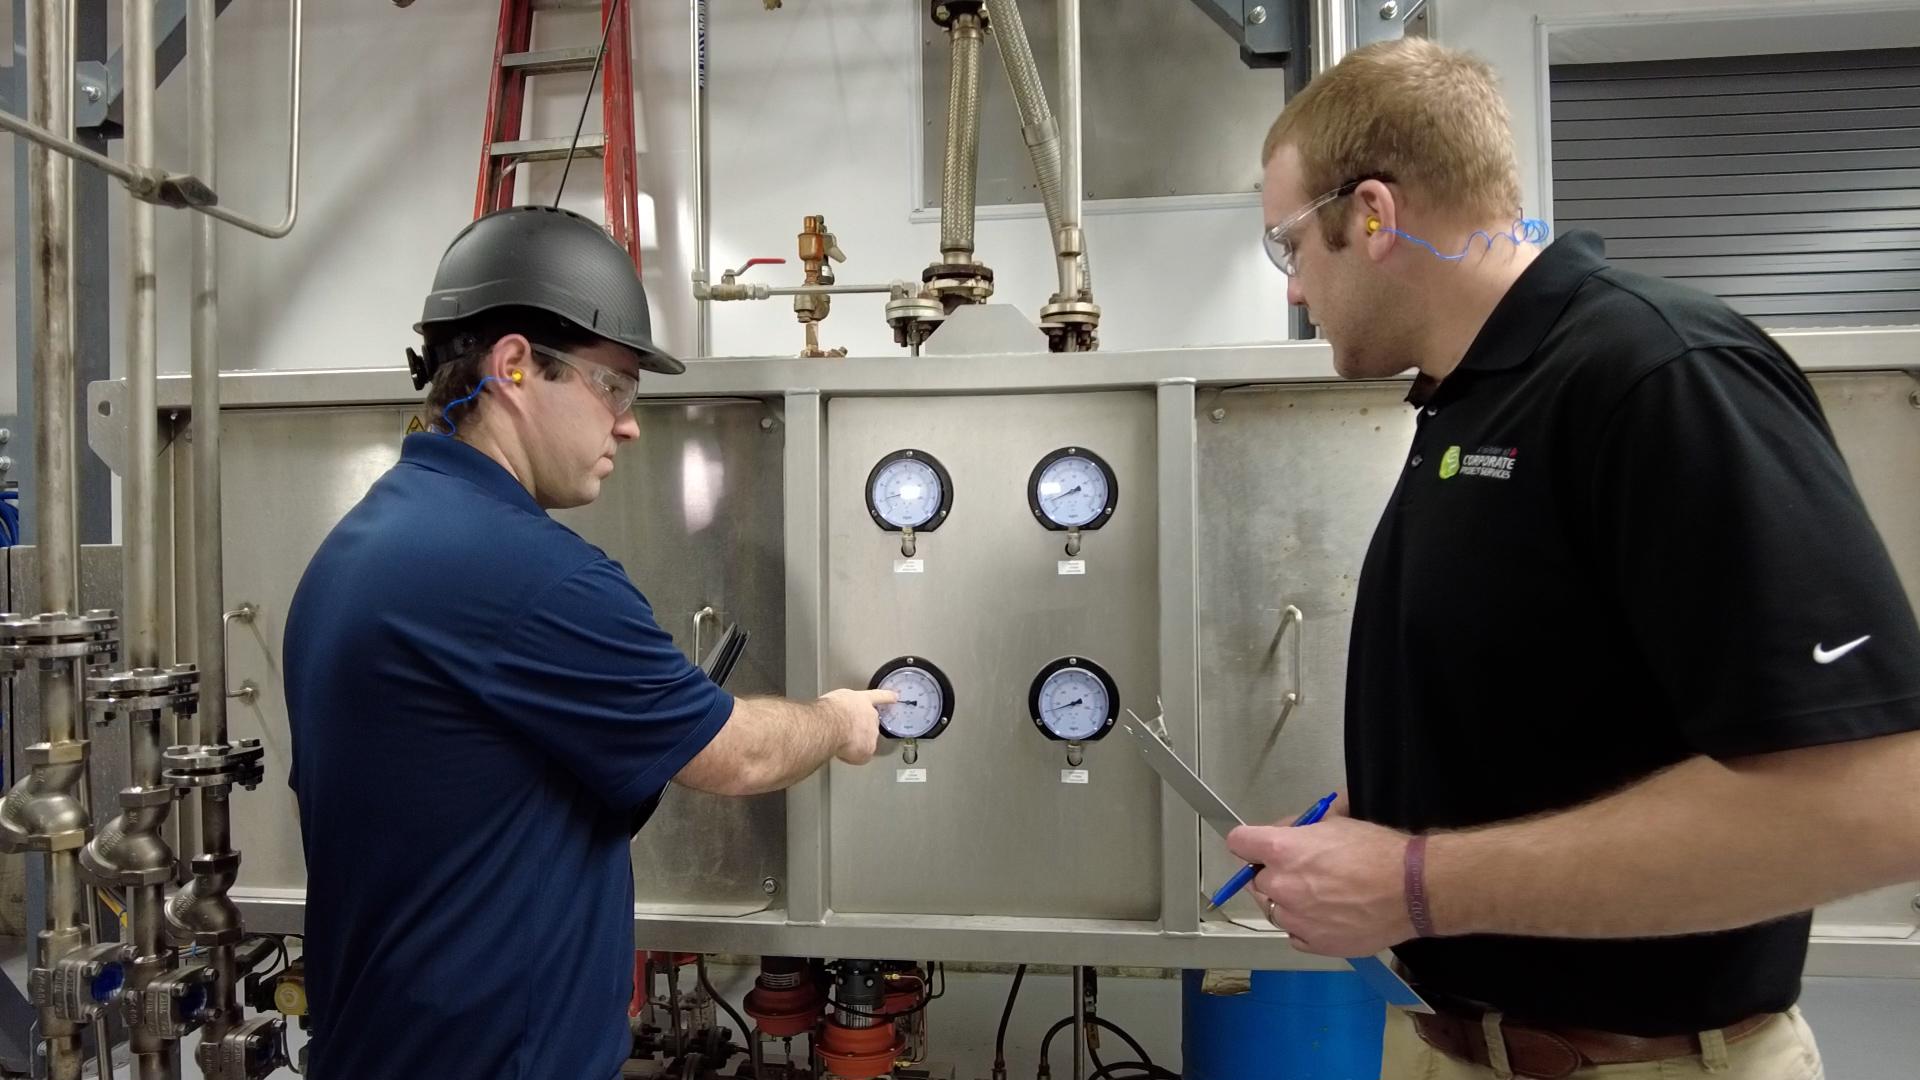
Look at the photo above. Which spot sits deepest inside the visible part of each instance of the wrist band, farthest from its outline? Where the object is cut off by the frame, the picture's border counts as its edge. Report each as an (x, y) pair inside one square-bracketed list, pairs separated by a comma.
[(1416, 881)]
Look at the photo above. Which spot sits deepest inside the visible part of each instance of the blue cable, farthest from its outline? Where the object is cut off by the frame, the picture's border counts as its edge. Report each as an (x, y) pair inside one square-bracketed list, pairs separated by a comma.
[(446, 414), (1524, 231)]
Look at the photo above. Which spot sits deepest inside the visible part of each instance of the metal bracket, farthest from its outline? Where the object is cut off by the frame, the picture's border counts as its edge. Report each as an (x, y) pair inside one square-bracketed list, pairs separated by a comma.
[(1262, 28), (107, 423), (245, 613), (254, 1049), (174, 1005), (1296, 696), (92, 86)]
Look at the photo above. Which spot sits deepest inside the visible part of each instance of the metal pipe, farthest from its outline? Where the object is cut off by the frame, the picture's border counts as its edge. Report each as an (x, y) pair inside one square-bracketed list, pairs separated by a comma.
[(146, 182), (1079, 1022), (216, 823), (40, 136), (296, 60), (208, 574), (209, 602), (827, 290), (963, 142), (140, 614), (697, 193), (1037, 125), (1330, 33), (1071, 185), (50, 180)]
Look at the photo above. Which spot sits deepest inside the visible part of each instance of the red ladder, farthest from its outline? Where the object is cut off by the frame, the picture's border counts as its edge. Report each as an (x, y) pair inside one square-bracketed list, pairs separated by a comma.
[(502, 146)]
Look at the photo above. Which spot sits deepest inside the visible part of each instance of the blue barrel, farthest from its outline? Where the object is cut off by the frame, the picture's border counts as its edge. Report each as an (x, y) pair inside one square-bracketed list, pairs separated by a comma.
[(1293, 1025)]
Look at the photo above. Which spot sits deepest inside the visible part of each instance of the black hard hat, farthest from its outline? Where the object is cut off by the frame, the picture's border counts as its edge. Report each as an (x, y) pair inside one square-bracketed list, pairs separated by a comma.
[(547, 259)]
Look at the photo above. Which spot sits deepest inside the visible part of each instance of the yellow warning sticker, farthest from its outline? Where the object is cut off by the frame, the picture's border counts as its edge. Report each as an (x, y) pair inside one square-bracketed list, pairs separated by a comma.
[(414, 426)]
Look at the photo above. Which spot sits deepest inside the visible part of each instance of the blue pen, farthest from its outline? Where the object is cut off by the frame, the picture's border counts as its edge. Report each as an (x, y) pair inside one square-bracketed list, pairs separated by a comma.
[(1239, 881)]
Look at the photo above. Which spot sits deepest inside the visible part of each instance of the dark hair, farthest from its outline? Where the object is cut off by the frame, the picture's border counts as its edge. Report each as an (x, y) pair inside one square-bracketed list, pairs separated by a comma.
[(460, 352)]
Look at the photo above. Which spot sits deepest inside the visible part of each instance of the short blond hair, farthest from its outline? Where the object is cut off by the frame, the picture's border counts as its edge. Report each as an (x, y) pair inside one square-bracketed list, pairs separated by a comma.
[(1430, 117)]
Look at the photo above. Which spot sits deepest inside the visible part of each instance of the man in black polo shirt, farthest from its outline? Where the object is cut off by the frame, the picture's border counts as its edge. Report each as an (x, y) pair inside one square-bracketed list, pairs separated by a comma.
[(1633, 684)]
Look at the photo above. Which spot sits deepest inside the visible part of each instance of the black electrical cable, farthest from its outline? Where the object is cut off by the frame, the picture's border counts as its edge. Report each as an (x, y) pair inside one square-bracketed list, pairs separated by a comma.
[(1046, 1044), (1153, 1072), (585, 100), (1006, 1014), (700, 966)]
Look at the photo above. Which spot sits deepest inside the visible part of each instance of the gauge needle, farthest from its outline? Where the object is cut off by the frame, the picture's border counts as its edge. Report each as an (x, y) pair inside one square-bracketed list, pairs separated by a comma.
[(1075, 701), (909, 703)]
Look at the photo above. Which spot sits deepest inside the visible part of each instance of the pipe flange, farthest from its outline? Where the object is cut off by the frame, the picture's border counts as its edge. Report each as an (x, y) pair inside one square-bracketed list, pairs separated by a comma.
[(253, 1050), (1070, 312), (948, 12), (215, 766), (955, 284), (59, 636), (144, 690), (83, 984), (914, 318), (174, 1005)]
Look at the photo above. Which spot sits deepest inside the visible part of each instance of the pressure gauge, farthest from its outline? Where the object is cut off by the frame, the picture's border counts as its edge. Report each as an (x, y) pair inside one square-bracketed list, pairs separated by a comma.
[(926, 698), (1073, 700), (1072, 489), (909, 491)]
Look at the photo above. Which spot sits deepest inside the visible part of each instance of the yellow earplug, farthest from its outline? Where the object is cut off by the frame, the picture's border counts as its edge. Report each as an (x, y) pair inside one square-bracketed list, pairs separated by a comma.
[(515, 375), (1373, 225)]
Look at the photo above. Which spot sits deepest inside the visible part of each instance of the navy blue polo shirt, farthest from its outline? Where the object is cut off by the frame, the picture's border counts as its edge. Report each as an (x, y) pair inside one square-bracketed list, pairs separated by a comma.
[(481, 706)]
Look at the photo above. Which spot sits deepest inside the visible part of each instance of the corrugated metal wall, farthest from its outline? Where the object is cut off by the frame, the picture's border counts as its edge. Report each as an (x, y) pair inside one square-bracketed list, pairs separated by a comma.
[(1788, 185)]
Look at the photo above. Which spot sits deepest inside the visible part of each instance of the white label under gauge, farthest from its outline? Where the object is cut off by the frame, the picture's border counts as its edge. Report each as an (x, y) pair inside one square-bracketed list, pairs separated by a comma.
[(1072, 567), (909, 776), (909, 566), (1073, 776)]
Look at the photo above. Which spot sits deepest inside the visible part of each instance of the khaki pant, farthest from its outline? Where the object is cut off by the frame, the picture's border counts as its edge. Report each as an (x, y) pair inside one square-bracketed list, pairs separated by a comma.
[(1781, 1049)]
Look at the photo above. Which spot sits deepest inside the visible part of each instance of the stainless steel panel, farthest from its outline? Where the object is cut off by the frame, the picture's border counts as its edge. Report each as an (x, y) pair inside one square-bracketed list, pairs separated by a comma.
[(805, 890), (1155, 74), (693, 514), (287, 477), (993, 830), (1292, 483), (1877, 424), (1179, 583)]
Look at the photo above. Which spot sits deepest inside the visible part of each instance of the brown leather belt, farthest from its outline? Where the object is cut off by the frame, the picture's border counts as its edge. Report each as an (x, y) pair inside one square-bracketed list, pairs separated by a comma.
[(1555, 1053)]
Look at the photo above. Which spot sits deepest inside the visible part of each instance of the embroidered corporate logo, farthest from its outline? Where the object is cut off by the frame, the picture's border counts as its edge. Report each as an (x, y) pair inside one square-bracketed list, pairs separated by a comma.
[(1488, 462)]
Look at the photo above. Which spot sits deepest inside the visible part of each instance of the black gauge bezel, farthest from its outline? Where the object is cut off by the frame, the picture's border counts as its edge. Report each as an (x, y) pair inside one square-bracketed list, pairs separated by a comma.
[(1033, 489), (939, 470), (1084, 664), (939, 677)]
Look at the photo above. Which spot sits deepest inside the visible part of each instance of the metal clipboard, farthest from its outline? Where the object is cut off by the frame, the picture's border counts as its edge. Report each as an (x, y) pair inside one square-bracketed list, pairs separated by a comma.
[(1373, 970)]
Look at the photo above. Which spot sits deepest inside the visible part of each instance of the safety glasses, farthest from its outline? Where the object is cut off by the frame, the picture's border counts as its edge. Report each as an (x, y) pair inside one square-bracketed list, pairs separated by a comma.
[(1283, 247), (617, 388)]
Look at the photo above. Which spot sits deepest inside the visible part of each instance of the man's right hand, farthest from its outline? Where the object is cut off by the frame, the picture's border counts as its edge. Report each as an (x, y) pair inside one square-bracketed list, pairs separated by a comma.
[(860, 721)]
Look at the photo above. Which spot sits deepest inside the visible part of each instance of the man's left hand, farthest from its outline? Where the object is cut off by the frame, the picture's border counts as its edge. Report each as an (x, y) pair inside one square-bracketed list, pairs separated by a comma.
[(1338, 887)]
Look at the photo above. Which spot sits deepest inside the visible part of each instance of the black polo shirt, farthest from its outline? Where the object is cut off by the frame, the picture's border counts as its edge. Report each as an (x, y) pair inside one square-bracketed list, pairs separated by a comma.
[(1623, 537)]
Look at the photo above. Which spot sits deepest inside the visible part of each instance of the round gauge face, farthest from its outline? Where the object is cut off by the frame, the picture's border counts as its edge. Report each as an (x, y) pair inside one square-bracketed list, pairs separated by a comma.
[(1072, 488), (908, 490), (926, 698), (1074, 700)]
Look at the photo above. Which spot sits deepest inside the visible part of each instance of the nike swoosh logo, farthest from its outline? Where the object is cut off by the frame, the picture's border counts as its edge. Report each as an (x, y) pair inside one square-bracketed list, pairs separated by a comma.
[(1828, 656)]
